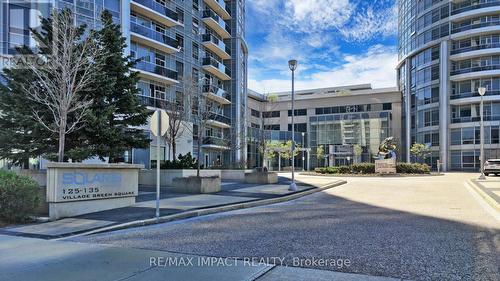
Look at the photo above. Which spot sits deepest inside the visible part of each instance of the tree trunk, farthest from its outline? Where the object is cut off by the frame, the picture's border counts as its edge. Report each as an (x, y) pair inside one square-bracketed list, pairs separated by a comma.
[(200, 139), (62, 138), (174, 150)]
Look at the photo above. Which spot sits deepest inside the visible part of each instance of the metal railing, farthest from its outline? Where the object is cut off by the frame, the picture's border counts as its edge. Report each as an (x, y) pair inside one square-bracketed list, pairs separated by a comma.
[(474, 26), (207, 88), (156, 69), (159, 8), (155, 35), (474, 7), (474, 94), (218, 42), (475, 48), (215, 63), (474, 69), (217, 18)]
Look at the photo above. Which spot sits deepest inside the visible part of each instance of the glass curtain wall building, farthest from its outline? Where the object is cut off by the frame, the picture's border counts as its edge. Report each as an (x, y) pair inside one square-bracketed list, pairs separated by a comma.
[(176, 42), (447, 50)]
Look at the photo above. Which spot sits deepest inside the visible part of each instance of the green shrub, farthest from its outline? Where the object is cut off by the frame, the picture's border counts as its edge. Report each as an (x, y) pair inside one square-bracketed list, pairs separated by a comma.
[(412, 168), (19, 197), (369, 168), (182, 162), (363, 168)]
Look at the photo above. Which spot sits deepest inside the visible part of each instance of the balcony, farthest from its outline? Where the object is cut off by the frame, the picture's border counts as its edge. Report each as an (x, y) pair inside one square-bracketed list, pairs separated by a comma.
[(475, 7), (156, 73), (219, 6), (155, 11), (216, 23), (473, 94), (216, 68), (217, 94), (215, 143), (153, 38), (216, 45), (153, 102), (475, 48), (474, 69), (220, 121), (474, 26)]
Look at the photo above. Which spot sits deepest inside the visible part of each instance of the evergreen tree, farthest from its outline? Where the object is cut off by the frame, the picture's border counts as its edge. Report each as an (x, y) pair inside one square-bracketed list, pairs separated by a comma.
[(116, 114), (24, 136)]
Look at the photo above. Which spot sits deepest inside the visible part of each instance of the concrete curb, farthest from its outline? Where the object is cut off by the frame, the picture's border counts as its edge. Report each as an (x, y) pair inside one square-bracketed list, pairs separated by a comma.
[(494, 204), (208, 211)]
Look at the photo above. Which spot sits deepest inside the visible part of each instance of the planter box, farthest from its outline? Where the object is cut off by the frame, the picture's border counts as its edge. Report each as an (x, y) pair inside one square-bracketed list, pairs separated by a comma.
[(148, 177), (196, 185), (261, 177)]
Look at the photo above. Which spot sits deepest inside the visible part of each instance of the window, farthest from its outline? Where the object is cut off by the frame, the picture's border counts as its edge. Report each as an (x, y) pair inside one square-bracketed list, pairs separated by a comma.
[(298, 112), (196, 51), (255, 113), (196, 27), (179, 67), (387, 106), (300, 127), (180, 39), (274, 127), (271, 114)]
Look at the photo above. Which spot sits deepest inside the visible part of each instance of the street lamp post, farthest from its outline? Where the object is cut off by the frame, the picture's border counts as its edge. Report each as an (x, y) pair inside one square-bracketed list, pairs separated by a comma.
[(303, 147), (292, 64), (482, 91)]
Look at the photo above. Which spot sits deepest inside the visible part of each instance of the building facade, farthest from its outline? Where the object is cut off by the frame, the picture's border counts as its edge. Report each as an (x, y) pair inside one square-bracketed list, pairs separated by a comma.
[(349, 123), (199, 42), (447, 50)]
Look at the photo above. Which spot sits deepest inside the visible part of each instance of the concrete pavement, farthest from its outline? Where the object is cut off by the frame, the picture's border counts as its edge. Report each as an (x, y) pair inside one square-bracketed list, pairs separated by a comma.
[(173, 206), (489, 189), (422, 228), (29, 259)]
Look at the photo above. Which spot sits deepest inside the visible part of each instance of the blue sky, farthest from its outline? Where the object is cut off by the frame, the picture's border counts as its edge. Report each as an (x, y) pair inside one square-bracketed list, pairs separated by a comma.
[(337, 42)]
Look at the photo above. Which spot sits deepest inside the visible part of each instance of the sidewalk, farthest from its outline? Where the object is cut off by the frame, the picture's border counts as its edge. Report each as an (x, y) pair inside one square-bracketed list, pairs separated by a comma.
[(489, 189), (172, 206), (34, 259)]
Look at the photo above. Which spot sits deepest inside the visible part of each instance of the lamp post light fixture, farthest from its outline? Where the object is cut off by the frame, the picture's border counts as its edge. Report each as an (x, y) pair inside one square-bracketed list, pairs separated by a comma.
[(292, 64), (303, 148), (482, 91)]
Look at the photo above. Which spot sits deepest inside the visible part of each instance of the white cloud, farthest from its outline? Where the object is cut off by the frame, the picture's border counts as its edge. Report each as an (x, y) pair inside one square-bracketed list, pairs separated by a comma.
[(376, 66), (369, 23), (317, 15)]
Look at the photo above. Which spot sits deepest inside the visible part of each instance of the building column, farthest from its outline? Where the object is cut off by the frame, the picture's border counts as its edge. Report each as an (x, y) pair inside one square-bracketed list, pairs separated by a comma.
[(444, 116), (407, 111), (125, 23)]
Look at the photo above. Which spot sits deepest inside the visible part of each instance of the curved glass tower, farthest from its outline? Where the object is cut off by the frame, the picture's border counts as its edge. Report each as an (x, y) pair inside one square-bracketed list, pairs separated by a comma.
[(447, 50)]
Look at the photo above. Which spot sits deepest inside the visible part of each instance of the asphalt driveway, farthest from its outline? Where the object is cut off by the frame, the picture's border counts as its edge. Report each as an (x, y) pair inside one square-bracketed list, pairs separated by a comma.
[(424, 228)]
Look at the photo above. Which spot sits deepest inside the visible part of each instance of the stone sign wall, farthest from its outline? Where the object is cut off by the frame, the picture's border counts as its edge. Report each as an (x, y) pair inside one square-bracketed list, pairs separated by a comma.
[(75, 189), (385, 166)]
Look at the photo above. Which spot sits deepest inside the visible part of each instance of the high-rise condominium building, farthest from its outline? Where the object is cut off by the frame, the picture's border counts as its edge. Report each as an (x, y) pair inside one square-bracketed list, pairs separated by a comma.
[(447, 50), (176, 41)]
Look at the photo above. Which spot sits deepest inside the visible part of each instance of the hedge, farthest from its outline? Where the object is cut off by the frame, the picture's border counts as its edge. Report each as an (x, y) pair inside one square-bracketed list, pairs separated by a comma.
[(412, 168), (369, 168), (19, 197)]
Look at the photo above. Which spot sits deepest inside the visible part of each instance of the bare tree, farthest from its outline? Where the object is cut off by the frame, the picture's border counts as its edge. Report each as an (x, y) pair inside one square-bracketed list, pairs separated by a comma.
[(267, 106), (70, 69), (201, 110), (178, 111)]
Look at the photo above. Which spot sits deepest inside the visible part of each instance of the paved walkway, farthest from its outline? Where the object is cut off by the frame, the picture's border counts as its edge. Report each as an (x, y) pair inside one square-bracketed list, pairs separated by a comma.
[(29, 259), (170, 204), (422, 228)]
